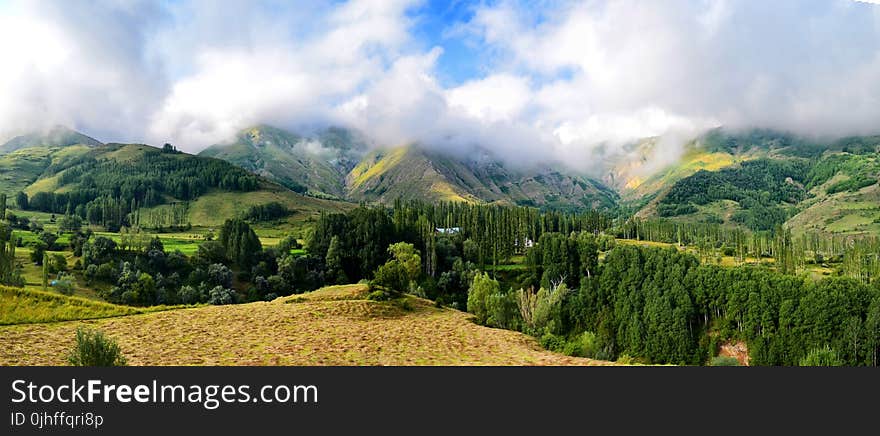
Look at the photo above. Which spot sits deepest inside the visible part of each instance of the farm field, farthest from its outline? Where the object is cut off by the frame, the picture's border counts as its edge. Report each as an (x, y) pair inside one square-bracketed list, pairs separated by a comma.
[(331, 326)]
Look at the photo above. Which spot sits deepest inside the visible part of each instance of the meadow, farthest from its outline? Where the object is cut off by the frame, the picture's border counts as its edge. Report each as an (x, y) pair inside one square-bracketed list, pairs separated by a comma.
[(331, 326)]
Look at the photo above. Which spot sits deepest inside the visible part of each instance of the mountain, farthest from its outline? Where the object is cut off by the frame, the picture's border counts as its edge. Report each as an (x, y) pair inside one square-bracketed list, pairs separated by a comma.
[(760, 179), (335, 163), (316, 164), (24, 158), (413, 172), (58, 136), (119, 184)]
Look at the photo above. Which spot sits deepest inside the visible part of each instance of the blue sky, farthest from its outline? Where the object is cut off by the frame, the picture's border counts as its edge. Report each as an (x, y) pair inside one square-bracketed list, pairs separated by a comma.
[(435, 22), (570, 81)]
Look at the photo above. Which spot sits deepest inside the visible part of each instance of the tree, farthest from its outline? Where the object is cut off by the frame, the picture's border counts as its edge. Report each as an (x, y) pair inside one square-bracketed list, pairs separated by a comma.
[(482, 288), (240, 242), (392, 277), (21, 200), (99, 251), (38, 250), (408, 257), (334, 259), (2, 205), (70, 223), (220, 295), (289, 243)]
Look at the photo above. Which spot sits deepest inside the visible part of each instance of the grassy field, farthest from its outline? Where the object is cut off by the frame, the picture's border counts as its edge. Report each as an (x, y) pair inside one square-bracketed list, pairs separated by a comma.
[(213, 209), (21, 306), (331, 326)]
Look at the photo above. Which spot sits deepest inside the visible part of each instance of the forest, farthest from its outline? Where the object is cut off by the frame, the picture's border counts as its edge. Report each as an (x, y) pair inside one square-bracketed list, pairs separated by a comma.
[(575, 281), (106, 191)]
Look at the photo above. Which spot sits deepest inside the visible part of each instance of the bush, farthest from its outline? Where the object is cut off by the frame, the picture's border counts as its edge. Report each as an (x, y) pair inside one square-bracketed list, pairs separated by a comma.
[(724, 361), (379, 295), (65, 284), (94, 349), (825, 356), (553, 342), (584, 345)]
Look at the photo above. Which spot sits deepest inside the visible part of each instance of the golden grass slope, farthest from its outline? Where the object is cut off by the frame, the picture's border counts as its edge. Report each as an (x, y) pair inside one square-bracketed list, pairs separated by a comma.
[(332, 326), (19, 306)]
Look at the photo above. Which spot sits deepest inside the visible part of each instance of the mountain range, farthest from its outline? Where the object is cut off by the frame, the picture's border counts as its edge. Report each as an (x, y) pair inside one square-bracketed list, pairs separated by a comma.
[(756, 179)]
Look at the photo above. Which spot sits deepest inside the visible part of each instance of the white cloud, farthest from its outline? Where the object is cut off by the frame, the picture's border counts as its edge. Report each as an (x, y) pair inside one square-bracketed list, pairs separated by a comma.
[(494, 98), (564, 80)]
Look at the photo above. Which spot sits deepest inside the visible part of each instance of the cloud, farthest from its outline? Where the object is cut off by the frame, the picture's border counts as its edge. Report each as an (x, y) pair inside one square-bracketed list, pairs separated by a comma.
[(565, 81)]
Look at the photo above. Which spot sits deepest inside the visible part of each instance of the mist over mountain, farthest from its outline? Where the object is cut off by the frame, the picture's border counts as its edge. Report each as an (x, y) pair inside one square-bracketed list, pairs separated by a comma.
[(565, 83)]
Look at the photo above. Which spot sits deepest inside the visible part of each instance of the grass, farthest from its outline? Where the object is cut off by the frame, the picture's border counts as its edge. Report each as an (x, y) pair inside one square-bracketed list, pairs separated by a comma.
[(331, 326), (213, 209), (22, 306), (368, 169)]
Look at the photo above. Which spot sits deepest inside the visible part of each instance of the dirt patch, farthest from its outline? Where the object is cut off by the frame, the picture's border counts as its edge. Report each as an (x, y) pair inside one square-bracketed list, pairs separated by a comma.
[(738, 350)]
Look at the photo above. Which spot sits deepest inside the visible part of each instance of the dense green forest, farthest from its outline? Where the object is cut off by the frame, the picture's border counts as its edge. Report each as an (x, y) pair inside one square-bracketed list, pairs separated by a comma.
[(761, 187), (662, 306)]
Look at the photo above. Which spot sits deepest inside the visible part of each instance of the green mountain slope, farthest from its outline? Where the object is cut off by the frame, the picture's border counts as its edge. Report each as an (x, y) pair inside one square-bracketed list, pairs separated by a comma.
[(58, 136), (21, 168), (315, 165), (121, 184), (761, 179)]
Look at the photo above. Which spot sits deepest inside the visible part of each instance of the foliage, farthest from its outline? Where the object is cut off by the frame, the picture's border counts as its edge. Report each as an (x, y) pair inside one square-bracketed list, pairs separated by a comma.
[(824, 356), (240, 242), (266, 212), (94, 349), (220, 295), (724, 361)]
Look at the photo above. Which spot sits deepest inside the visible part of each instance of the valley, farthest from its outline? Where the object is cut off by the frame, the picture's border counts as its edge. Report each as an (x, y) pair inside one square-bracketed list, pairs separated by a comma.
[(740, 243)]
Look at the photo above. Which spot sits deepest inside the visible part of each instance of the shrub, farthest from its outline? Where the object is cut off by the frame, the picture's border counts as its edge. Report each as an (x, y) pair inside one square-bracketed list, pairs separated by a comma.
[(379, 295), (825, 356), (65, 284), (584, 345), (553, 342), (626, 359), (92, 348), (724, 361)]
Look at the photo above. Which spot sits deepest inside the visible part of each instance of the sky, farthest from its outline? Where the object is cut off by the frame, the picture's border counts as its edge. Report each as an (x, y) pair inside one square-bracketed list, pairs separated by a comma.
[(566, 81)]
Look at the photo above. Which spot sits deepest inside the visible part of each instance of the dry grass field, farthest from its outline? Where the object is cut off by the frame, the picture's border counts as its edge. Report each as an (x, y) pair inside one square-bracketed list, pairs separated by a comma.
[(331, 326)]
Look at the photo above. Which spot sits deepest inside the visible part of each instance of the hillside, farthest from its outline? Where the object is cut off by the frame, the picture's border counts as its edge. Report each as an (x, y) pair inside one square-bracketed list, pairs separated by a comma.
[(315, 165), (761, 179), (416, 173), (332, 326), (57, 136), (118, 184), (335, 163)]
